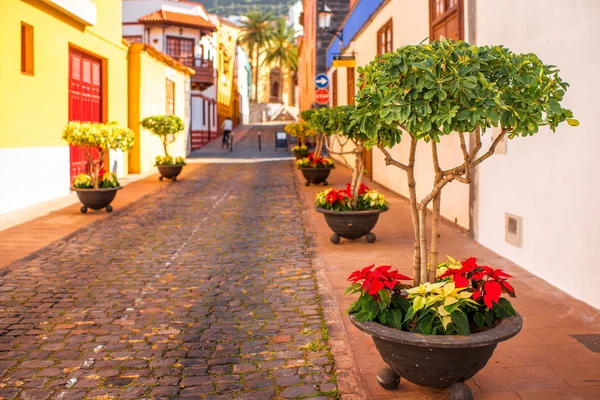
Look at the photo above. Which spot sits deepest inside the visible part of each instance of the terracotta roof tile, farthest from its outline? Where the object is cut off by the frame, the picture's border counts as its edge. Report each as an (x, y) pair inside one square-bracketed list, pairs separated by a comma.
[(163, 16)]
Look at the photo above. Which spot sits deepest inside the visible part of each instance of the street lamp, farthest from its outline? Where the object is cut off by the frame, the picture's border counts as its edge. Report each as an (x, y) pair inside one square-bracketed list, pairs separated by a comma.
[(324, 20)]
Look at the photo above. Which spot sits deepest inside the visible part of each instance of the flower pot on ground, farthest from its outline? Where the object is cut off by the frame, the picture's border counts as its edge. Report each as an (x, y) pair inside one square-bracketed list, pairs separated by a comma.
[(351, 213), (315, 169), (422, 94), (97, 188), (169, 168), (301, 130), (348, 221), (166, 128), (437, 335)]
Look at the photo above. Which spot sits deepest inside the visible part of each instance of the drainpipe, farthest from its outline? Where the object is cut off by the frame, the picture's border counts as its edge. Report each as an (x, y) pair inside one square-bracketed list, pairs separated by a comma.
[(473, 205)]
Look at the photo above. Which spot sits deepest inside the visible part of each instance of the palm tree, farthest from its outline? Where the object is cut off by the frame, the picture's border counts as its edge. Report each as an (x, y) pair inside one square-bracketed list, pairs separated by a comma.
[(256, 34), (283, 51)]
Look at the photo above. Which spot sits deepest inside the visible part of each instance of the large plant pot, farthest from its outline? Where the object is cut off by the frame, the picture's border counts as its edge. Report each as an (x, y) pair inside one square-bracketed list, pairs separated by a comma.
[(96, 199), (351, 224), (437, 361), (300, 154), (316, 175), (169, 171)]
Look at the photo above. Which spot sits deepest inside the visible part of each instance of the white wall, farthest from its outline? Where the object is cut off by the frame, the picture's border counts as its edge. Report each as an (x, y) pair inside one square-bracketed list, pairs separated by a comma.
[(551, 179), (410, 26), (34, 175)]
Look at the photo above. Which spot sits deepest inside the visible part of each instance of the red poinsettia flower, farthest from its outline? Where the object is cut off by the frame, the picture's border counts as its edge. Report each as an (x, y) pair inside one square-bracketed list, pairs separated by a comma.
[(375, 280), (487, 283), (336, 196), (361, 190)]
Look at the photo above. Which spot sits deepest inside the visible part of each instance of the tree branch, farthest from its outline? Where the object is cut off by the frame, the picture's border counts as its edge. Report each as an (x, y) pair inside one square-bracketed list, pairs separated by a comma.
[(389, 160)]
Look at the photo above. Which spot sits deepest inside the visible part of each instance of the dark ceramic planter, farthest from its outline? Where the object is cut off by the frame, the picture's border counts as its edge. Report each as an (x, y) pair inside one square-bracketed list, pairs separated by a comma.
[(438, 361), (96, 199), (316, 175), (300, 155), (169, 171), (351, 224)]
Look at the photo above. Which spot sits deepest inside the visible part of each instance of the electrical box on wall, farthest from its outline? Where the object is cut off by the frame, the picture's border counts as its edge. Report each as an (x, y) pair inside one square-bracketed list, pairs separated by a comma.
[(513, 228)]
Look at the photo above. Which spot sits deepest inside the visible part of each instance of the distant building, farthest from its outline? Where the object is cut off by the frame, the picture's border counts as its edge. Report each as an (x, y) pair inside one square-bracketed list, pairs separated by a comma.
[(184, 31)]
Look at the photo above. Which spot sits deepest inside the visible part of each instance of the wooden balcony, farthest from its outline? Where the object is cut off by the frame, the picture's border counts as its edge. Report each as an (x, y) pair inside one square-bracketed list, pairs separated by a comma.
[(205, 71)]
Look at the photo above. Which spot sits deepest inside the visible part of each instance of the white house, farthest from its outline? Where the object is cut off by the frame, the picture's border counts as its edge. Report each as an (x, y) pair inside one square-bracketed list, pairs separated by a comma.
[(545, 184), (183, 31)]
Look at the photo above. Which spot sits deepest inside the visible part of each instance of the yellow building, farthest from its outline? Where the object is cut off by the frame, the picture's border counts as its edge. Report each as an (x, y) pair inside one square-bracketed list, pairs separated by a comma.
[(158, 85), (62, 60), (227, 95)]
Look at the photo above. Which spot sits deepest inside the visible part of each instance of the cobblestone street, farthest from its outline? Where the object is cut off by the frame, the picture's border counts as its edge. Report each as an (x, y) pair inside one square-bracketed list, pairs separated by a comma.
[(202, 290)]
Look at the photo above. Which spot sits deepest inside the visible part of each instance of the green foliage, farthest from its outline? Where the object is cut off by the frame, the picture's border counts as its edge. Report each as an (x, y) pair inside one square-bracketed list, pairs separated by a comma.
[(109, 180), (168, 160), (163, 125), (435, 89), (95, 135), (282, 50), (299, 129)]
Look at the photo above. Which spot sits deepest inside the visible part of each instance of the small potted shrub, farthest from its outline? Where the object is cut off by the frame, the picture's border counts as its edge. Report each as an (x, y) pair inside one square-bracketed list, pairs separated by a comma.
[(97, 188), (299, 130), (353, 212), (316, 168), (422, 94), (167, 128)]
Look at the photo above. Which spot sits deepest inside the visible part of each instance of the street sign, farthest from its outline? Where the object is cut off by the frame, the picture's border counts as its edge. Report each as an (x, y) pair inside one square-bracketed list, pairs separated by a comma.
[(344, 61), (322, 96), (321, 81)]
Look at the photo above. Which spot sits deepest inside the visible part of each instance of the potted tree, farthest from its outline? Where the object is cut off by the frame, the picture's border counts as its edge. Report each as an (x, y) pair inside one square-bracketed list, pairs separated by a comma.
[(97, 188), (424, 93), (353, 212), (166, 128), (315, 168), (299, 130)]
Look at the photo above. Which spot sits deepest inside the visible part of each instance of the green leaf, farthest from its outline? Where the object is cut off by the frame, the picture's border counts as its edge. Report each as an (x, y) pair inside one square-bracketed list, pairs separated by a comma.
[(409, 314), (479, 319), (386, 296), (352, 288), (461, 322), (425, 323), (503, 308), (489, 318), (394, 318), (572, 121)]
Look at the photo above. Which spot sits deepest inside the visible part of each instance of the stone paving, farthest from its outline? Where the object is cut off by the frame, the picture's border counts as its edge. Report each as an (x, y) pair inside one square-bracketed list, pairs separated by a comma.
[(204, 290)]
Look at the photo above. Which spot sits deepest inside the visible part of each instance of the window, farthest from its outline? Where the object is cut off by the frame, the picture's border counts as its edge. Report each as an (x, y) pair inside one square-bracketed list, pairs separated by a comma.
[(334, 83), (446, 19), (170, 97), (182, 49), (384, 38), (351, 85), (134, 39), (26, 49)]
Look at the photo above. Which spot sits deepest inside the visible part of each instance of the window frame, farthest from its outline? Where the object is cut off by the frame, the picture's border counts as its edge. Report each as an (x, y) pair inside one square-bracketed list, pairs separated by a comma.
[(334, 84), (27, 49), (388, 46), (437, 20)]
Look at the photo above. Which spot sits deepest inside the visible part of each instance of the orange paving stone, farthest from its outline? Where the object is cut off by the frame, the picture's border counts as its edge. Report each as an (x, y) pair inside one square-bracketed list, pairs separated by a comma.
[(542, 362)]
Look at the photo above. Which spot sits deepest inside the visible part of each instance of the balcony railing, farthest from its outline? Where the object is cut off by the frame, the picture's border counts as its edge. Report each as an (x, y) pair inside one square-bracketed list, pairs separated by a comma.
[(205, 72)]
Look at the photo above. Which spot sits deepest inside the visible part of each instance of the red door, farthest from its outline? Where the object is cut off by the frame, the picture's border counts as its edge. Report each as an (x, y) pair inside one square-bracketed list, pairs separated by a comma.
[(85, 100)]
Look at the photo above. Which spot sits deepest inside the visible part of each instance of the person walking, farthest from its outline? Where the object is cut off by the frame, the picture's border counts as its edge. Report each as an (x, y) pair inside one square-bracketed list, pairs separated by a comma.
[(226, 127)]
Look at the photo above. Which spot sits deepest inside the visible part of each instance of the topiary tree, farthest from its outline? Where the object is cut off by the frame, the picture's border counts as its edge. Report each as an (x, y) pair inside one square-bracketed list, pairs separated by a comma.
[(166, 127), (301, 130), (95, 137), (429, 91)]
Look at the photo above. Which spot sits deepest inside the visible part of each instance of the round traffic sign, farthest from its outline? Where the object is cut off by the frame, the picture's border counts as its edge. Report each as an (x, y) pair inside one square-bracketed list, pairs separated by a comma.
[(321, 81), (322, 96)]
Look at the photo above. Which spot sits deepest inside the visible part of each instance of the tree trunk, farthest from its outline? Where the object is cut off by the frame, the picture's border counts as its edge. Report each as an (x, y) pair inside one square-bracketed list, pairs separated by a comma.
[(164, 142), (412, 189), (435, 237), (424, 273), (357, 175), (256, 74), (281, 81)]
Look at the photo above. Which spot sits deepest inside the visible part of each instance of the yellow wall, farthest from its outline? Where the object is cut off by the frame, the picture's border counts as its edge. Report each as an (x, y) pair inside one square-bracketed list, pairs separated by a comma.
[(35, 108), (227, 86), (147, 97)]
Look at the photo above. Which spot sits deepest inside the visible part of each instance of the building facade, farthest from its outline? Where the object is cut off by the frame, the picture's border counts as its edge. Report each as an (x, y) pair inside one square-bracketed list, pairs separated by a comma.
[(158, 85), (65, 61), (183, 30), (313, 45), (555, 170)]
